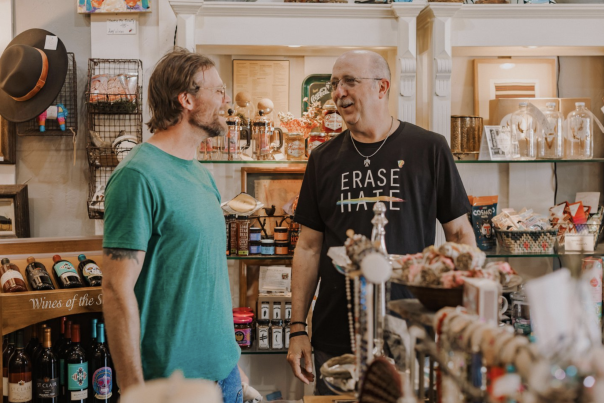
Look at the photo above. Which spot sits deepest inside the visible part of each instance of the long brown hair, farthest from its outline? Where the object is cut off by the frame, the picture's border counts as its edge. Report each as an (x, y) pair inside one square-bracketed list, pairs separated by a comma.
[(173, 75)]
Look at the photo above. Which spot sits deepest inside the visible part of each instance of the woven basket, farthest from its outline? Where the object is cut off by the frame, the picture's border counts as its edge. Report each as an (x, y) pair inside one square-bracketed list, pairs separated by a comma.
[(527, 241)]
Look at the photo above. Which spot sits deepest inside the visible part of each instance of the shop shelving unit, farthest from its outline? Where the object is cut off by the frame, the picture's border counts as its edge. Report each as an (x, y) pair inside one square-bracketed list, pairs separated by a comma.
[(109, 119), (20, 310)]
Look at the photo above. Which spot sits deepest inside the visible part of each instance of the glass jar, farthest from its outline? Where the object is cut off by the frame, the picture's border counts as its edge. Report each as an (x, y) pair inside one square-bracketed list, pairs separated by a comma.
[(314, 141), (243, 331), (280, 234), (294, 146), (294, 234), (268, 247), (276, 334), (288, 311), (255, 234), (276, 310), (332, 121), (264, 310), (521, 314), (579, 137), (523, 133), (255, 247), (549, 143), (286, 332), (281, 248), (264, 336)]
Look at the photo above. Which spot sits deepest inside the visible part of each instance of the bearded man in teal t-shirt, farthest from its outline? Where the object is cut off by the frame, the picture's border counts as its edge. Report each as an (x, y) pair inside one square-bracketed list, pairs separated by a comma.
[(167, 301)]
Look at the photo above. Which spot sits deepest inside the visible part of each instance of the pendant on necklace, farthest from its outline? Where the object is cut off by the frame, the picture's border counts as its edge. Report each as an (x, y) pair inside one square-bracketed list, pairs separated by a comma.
[(367, 162)]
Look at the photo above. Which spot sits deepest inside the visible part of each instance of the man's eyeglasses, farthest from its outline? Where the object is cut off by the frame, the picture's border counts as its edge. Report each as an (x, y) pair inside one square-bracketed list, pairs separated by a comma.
[(221, 89), (347, 82)]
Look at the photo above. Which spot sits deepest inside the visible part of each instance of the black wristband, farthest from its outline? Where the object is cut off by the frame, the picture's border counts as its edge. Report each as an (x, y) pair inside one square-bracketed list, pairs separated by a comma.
[(298, 323), (296, 334)]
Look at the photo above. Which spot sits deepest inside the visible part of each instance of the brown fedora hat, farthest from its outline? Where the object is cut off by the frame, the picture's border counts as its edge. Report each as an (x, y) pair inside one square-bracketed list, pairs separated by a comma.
[(31, 77)]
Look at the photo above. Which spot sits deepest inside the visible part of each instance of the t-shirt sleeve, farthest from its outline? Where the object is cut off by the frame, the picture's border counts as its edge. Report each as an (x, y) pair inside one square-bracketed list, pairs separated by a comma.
[(452, 200), (128, 211), (307, 212)]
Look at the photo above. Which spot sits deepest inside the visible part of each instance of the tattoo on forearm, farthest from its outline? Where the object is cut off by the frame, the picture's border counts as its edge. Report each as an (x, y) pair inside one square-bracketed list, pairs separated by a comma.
[(121, 254)]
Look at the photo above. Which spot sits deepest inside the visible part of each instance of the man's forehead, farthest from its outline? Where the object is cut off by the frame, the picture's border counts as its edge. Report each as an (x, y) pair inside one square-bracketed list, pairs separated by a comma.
[(349, 66)]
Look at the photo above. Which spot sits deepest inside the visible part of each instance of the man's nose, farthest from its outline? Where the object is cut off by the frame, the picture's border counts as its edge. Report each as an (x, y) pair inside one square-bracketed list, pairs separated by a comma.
[(227, 99)]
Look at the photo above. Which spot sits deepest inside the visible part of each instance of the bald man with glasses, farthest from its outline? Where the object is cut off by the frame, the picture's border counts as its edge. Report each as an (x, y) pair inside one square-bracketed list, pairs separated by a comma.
[(381, 158)]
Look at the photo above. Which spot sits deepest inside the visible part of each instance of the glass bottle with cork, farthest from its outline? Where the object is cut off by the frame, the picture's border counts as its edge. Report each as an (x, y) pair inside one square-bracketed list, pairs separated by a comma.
[(12, 280), (66, 275), (20, 384), (38, 277)]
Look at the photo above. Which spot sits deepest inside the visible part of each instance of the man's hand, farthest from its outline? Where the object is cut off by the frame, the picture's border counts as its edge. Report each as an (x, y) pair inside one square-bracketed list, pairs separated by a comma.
[(299, 349)]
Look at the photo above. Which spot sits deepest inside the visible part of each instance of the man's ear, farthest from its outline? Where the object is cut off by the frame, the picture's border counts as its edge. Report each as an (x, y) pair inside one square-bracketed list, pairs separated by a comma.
[(384, 87), (186, 101)]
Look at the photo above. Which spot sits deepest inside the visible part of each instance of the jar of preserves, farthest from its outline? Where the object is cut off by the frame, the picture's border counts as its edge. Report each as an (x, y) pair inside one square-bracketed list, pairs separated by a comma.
[(268, 247), (243, 331), (280, 234), (294, 146), (281, 248), (263, 334), (276, 334), (314, 141), (332, 121)]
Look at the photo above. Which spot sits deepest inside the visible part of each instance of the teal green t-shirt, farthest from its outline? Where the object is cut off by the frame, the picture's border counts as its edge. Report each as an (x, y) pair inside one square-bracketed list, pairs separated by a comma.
[(170, 208)]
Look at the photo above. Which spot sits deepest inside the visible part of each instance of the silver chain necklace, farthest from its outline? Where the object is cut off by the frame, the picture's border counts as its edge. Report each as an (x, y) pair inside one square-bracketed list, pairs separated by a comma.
[(367, 161)]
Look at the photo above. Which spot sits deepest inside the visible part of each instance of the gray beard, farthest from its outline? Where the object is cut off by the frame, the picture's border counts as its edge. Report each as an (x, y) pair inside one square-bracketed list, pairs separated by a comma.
[(213, 129)]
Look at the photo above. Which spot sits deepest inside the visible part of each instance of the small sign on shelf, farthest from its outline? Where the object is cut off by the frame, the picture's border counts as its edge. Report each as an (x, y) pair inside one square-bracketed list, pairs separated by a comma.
[(121, 26)]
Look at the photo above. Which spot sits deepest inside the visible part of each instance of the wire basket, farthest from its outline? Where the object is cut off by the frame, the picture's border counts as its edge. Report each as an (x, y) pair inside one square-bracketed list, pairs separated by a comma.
[(68, 97), (527, 241), (114, 86), (104, 129), (96, 191)]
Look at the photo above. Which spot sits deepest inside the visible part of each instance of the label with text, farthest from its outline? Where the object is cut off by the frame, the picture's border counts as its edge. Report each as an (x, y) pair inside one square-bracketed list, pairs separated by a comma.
[(85, 300), (20, 392), (47, 388), (77, 376)]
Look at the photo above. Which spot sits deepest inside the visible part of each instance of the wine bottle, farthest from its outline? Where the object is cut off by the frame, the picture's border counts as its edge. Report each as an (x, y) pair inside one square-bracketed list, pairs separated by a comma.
[(10, 349), (90, 272), (46, 372), (101, 369), (61, 340), (93, 337), (76, 370), (37, 352), (19, 374), (65, 273), (33, 343), (38, 277), (62, 354), (12, 279)]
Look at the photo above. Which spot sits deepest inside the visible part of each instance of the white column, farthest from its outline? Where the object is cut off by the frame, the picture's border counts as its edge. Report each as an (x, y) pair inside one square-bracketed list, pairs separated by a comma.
[(186, 12), (406, 64)]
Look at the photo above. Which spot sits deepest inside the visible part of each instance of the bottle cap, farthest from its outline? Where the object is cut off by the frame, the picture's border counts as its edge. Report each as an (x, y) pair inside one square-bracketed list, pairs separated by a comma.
[(30, 260), (56, 258), (81, 258), (100, 328), (47, 338)]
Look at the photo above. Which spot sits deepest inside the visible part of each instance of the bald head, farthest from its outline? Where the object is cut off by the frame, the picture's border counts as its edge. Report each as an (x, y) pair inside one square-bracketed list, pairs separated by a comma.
[(373, 63)]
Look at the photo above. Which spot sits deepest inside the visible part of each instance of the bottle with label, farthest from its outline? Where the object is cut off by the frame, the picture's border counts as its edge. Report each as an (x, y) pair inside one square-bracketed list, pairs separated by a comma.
[(333, 123), (19, 374), (76, 370), (63, 354), (38, 277), (101, 369), (12, 279), (294, 234), (38, 351), (65, 274), (294, 146), (524, 140), (263, 334), (61, 340), (276, 334), (264, 310), (10, 349), (314, 141), (288, 311), (46, 372), (287, 331), (90, 271)]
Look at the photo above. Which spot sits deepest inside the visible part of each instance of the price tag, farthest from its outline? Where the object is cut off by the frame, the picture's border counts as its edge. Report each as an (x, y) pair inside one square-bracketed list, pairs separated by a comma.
[(51, 42), (121, 26)]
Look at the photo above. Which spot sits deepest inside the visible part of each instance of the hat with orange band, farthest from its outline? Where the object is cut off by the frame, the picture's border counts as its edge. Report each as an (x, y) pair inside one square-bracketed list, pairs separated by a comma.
[(31, 76)]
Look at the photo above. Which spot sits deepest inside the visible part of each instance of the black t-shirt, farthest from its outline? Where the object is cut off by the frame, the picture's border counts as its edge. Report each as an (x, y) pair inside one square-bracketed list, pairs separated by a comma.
[(338, 193)]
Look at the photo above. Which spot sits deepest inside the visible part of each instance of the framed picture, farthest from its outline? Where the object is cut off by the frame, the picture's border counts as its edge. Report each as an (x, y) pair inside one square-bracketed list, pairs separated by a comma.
[(14, 211), (8, 142), (511, 78), (499, 142), (273, 188), (113, 6)]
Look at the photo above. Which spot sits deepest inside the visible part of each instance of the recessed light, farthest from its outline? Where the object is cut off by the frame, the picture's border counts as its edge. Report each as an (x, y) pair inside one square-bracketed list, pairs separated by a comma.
[(293, 46), (507, 66)]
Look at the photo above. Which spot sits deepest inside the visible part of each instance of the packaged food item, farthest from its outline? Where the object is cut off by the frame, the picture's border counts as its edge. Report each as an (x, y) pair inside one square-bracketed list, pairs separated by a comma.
[(483, 210), (98, 88)]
